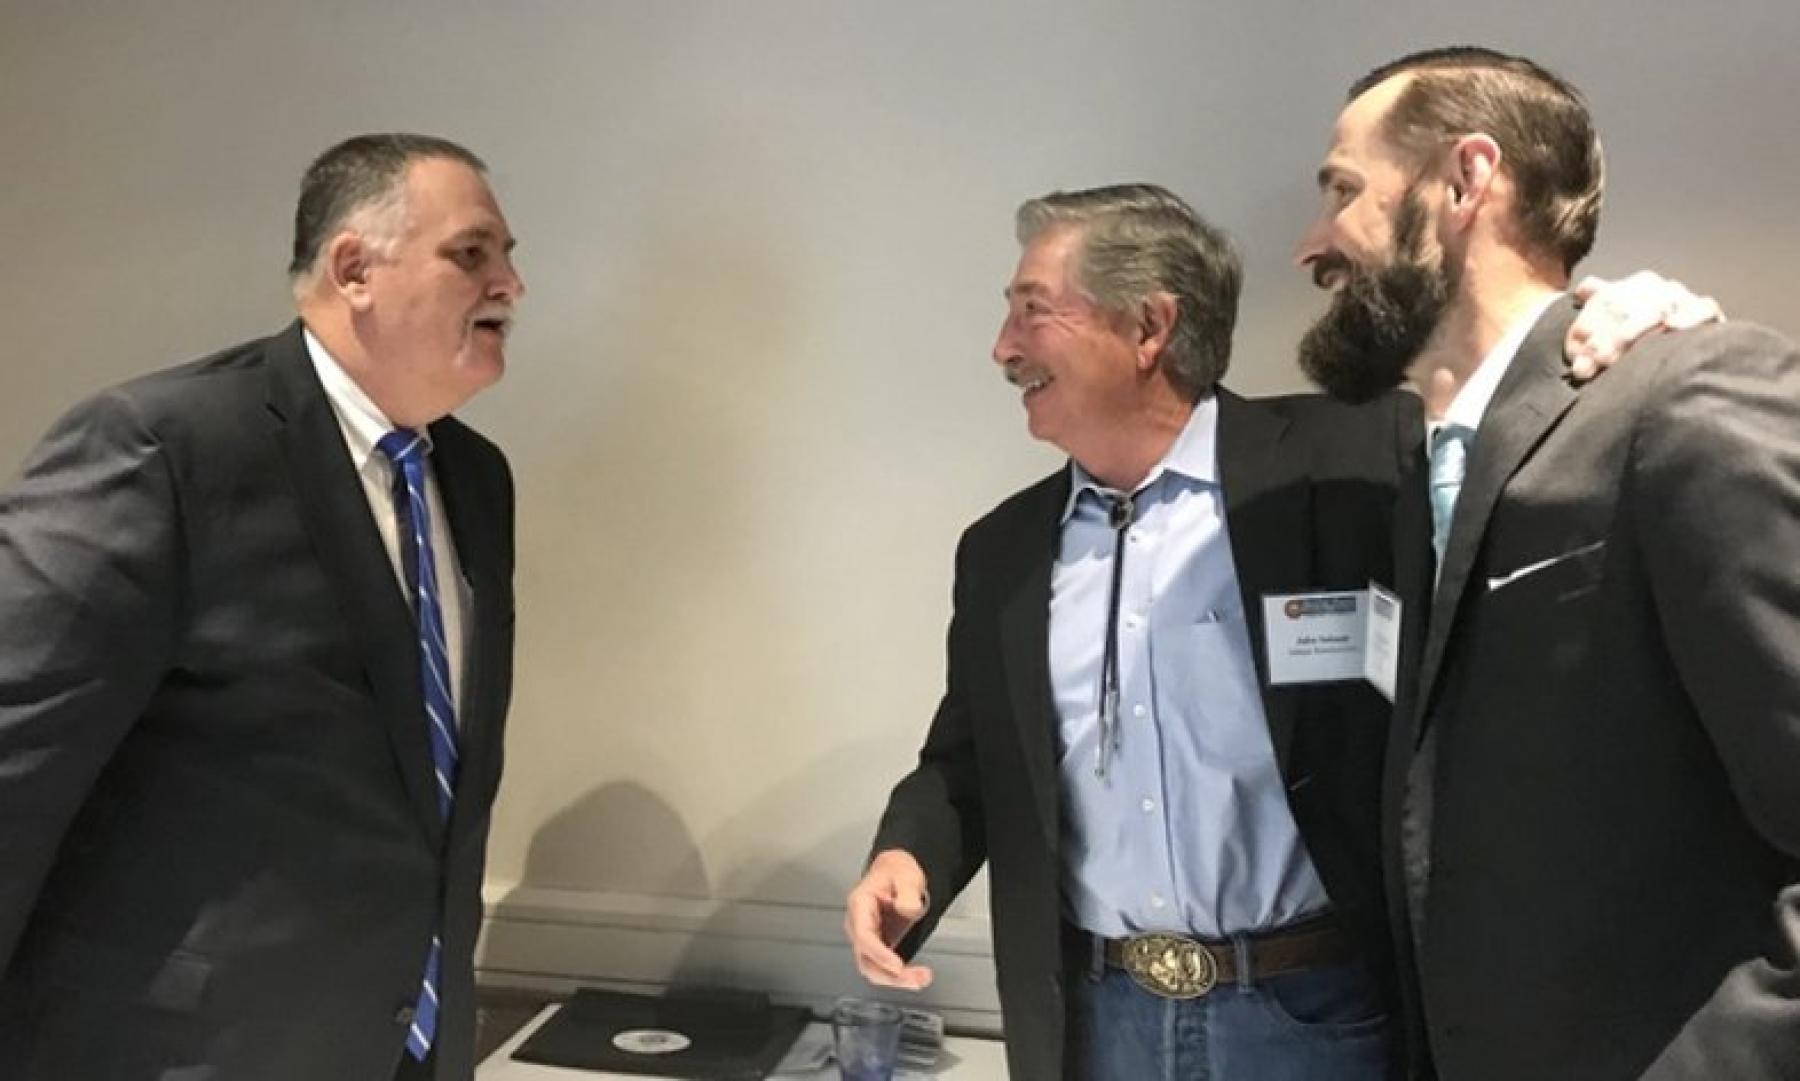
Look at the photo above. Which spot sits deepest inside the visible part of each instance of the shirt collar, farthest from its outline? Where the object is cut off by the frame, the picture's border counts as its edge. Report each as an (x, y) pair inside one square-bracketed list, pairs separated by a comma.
[(1192, 455), (362, 421), (1471, 402)]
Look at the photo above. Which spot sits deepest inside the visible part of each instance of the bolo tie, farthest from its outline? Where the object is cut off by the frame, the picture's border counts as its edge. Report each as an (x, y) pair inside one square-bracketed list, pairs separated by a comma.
[(1119, 509)]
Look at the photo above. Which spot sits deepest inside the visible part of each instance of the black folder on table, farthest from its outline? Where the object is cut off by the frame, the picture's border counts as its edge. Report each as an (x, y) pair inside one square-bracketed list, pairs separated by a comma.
[(722, 1035)]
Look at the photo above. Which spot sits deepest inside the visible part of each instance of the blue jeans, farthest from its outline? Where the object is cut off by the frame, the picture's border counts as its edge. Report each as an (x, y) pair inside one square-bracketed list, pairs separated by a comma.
[(1321, 1024)]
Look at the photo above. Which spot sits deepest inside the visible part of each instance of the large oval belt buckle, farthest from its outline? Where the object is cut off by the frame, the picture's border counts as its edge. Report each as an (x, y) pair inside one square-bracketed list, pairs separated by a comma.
[(1172, 966)]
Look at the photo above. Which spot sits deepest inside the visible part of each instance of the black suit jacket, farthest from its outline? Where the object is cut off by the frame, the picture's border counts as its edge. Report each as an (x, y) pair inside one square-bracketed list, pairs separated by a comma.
[(222, 856), (1608, 705), (1309, 489)]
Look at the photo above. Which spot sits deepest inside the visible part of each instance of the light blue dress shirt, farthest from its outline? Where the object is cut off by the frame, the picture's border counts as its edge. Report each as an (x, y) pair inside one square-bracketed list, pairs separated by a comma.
[(1189, 830)]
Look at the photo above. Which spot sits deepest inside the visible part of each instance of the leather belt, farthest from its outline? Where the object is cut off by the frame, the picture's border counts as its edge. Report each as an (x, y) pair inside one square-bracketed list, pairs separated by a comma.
[(1179, 966)]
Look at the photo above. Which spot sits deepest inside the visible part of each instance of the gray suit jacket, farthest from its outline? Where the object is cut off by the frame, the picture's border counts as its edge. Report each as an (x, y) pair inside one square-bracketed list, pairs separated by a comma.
[(222, 856), (1608, 688)]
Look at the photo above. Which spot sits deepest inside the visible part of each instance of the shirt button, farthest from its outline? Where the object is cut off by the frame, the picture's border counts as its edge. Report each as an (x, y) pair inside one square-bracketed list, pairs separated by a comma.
[(1135, 537), (1133, 622), (1138, 710), (1148, 805), (404, 1015), (1156, 900)]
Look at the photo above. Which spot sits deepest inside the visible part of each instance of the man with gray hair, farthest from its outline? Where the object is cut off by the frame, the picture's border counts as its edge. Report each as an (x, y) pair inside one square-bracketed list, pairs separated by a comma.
[(255, 658), (1176, 846)]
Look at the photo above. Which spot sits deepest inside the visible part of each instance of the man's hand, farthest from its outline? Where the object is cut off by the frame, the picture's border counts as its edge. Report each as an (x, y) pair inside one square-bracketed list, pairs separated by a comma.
[(879, 911), (1614, 315)]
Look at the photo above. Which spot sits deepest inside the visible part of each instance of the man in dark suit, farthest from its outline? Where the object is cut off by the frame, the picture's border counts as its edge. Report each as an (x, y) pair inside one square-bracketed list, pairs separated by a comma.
[(254, 663), (1107, 743), (1592, 791)]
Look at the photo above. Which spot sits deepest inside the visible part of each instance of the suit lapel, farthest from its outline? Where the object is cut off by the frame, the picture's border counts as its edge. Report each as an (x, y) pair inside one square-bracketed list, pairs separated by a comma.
[(1531, 398), (1413, 567), (337, 518), (1268, 520), (1024, 623)]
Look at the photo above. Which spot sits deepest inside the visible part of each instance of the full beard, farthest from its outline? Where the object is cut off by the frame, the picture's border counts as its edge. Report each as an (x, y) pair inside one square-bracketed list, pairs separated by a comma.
[(1381, 317)]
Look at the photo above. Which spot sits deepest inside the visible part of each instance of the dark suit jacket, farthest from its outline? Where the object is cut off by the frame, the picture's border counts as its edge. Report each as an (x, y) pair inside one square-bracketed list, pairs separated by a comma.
[(222, 856), (1309, 488), (1609, 696)]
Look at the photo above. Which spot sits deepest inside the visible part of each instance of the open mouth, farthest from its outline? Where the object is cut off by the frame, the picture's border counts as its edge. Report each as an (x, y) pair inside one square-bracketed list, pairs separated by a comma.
[(1330, 273), (1028, 381), (497, 325)]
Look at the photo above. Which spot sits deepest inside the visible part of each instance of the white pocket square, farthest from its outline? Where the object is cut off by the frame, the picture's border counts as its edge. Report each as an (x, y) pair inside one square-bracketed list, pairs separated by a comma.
[(1501, 581)]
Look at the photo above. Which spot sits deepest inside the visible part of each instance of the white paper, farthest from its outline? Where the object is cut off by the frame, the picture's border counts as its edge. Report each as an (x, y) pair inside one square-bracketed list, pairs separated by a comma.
[(1381, 660)]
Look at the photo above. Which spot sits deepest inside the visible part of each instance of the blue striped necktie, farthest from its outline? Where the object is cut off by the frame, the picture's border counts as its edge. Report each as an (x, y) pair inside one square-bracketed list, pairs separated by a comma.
[(407, 450)]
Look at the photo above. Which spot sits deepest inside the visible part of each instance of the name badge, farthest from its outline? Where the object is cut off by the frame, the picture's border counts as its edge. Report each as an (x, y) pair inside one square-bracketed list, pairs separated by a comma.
[(1333, 637), (1316, 637)]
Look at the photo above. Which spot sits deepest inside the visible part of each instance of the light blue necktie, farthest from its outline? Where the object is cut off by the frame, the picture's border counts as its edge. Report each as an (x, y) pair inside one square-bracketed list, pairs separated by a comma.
[(1449, 464), (407, 450)]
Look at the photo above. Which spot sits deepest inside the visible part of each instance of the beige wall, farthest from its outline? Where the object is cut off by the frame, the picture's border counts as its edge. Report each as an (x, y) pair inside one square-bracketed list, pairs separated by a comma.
[(750, 408)]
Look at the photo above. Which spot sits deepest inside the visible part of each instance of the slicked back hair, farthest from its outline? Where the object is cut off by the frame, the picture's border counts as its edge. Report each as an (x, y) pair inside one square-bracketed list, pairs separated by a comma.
[(1141, 239), (364, 176), (1547, 141)]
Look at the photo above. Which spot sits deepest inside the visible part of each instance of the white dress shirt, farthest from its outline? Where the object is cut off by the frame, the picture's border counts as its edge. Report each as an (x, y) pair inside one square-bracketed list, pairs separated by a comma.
[(1471, 402), (363, 425)]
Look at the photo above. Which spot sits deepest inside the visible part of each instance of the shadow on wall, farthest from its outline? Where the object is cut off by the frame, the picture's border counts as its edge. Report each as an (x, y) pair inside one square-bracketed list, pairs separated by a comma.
[(686, 925), (620, 837), (740, 945), (623, 837)]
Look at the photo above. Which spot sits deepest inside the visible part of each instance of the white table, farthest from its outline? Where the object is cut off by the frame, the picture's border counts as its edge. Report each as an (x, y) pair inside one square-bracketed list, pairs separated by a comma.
[(964, 1058)]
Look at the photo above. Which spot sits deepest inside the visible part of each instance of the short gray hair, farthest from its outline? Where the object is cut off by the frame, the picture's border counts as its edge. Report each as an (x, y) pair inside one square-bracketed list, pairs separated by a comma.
[(1140, 239), (361, 181)]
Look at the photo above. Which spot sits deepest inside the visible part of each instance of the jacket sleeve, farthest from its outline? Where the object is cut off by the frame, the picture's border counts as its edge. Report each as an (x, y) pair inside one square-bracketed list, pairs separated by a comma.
[(1717, 472), (87, 585), (936, 811)]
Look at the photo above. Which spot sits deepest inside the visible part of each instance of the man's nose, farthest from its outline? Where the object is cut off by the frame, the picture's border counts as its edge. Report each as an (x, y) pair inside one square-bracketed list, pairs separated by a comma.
[(1312, 244), (1005, 348), (510, 285)]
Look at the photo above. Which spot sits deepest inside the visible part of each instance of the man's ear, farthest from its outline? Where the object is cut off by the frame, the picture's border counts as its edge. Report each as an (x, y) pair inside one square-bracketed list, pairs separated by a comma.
[(1474, 166), (1155, 326), (348, 261)]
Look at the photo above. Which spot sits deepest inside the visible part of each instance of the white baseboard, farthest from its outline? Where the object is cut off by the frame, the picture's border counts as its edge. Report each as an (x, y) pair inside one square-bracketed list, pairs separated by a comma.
[(555, 940)]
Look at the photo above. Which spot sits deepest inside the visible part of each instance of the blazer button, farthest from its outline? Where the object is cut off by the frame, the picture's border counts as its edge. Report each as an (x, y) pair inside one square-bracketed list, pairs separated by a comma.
[(404, 1015)]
